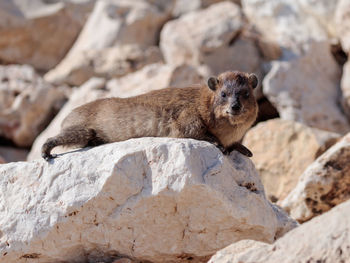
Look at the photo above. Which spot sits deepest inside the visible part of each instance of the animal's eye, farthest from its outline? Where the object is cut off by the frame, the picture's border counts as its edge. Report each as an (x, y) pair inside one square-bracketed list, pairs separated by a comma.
[(223, 94), (246, 94)]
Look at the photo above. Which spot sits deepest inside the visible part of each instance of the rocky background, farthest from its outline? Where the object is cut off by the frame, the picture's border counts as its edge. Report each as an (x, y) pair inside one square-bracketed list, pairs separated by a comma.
[(175, 200)]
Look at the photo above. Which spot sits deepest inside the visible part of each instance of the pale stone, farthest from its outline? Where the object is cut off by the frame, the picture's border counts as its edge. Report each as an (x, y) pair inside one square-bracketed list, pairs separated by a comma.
[(230, 253), (306, 90), (28, 103), (182, 7), (292, 22), (38, 32), (283, 150), (205, 37), (342, 18), (323, 239), (152, 199), (323, 185), (106, 63), (112, 23), (345, 88), (151, 77)]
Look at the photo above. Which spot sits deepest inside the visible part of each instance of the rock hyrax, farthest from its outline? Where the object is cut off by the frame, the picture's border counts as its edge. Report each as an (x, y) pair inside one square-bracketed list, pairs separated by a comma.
[(220, 113)]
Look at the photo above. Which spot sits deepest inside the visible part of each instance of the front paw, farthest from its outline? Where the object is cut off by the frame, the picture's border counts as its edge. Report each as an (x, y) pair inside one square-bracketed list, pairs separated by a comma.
[(240, 148)]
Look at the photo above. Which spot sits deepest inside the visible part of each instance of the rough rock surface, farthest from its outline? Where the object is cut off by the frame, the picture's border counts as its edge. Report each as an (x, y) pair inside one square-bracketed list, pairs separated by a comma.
[(291, 23), (40, 33), (110, 62), (27, 103), (323, 239), (210, 37), (306, 89), (342, 18), (151, 77), (323, 185), (282, 151), (155, 199)]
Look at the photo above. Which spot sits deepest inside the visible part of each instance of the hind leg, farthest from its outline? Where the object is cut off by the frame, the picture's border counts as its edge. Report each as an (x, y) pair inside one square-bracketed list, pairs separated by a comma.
[(68, 137)]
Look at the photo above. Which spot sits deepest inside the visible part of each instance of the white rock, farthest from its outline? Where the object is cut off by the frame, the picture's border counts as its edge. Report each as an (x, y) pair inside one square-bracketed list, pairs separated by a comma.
[(342, 18), (38, 32), (306, 89), (345, 88), (323, 185), (291, 23), (27, 103), (323, 239), (155, 199), (107, 63), (111, 23), (151, 77), (209, 37)]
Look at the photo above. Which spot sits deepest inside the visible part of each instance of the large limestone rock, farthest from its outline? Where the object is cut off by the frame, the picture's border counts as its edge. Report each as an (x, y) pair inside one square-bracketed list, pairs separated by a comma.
[(283, 150), (323, 239), (27, 103), (155, 199), (292, 22), (107, 63), (305, 89), (38, 32), (342, 18), (211, 37), (151, 77), (112, 23), (324, 184)]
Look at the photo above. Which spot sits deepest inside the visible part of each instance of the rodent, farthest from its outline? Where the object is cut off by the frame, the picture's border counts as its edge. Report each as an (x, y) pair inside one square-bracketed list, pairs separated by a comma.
[(219, 112)]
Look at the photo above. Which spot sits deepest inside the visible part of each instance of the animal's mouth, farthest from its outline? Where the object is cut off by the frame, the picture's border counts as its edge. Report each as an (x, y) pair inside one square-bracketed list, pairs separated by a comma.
[(236, 113)]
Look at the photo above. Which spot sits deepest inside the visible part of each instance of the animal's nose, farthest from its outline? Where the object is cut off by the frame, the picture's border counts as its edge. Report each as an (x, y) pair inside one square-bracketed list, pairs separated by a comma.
[(236, 106)]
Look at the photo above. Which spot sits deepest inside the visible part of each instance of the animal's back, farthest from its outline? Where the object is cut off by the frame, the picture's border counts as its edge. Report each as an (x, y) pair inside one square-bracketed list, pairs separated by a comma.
[(148, 115)]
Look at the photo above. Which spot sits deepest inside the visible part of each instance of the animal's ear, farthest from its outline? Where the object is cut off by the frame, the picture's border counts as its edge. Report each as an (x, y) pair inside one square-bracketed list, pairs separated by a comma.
[(212, 83), (253, 80)]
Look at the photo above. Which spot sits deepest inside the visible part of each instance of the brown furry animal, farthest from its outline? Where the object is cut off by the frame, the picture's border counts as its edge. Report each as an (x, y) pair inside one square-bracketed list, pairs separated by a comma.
[(220, 113)]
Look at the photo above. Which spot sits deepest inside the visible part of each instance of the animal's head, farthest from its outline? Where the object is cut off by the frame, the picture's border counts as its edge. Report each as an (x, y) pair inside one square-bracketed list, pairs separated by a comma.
[(234, 99)]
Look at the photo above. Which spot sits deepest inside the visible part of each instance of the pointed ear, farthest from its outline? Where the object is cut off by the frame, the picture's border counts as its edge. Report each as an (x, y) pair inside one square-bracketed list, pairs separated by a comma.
[(212, 83), (253, 80)]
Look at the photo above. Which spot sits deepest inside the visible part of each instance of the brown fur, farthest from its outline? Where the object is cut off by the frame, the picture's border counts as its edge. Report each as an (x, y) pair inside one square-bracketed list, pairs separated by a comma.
[(200, 113)]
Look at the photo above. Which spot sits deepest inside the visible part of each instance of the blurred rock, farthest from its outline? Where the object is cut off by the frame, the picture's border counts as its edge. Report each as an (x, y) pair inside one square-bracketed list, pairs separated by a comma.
[(11, 154), (38, 32), (152, 199), (28, 103), (342, 18), (184, 6), (283, 150), (210, 37), (112, 23), (324, 184), (230, 253), (151, 77), (323, 239), (345, 88), (306, 90), (106, 63), (291, 23)]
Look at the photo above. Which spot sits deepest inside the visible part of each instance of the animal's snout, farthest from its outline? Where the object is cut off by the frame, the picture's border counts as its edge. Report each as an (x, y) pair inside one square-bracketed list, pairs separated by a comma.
[(236, 106)]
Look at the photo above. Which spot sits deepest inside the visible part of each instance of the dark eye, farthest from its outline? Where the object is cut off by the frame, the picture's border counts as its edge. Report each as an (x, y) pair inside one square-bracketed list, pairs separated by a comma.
[(246, 94), (223, 94)]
